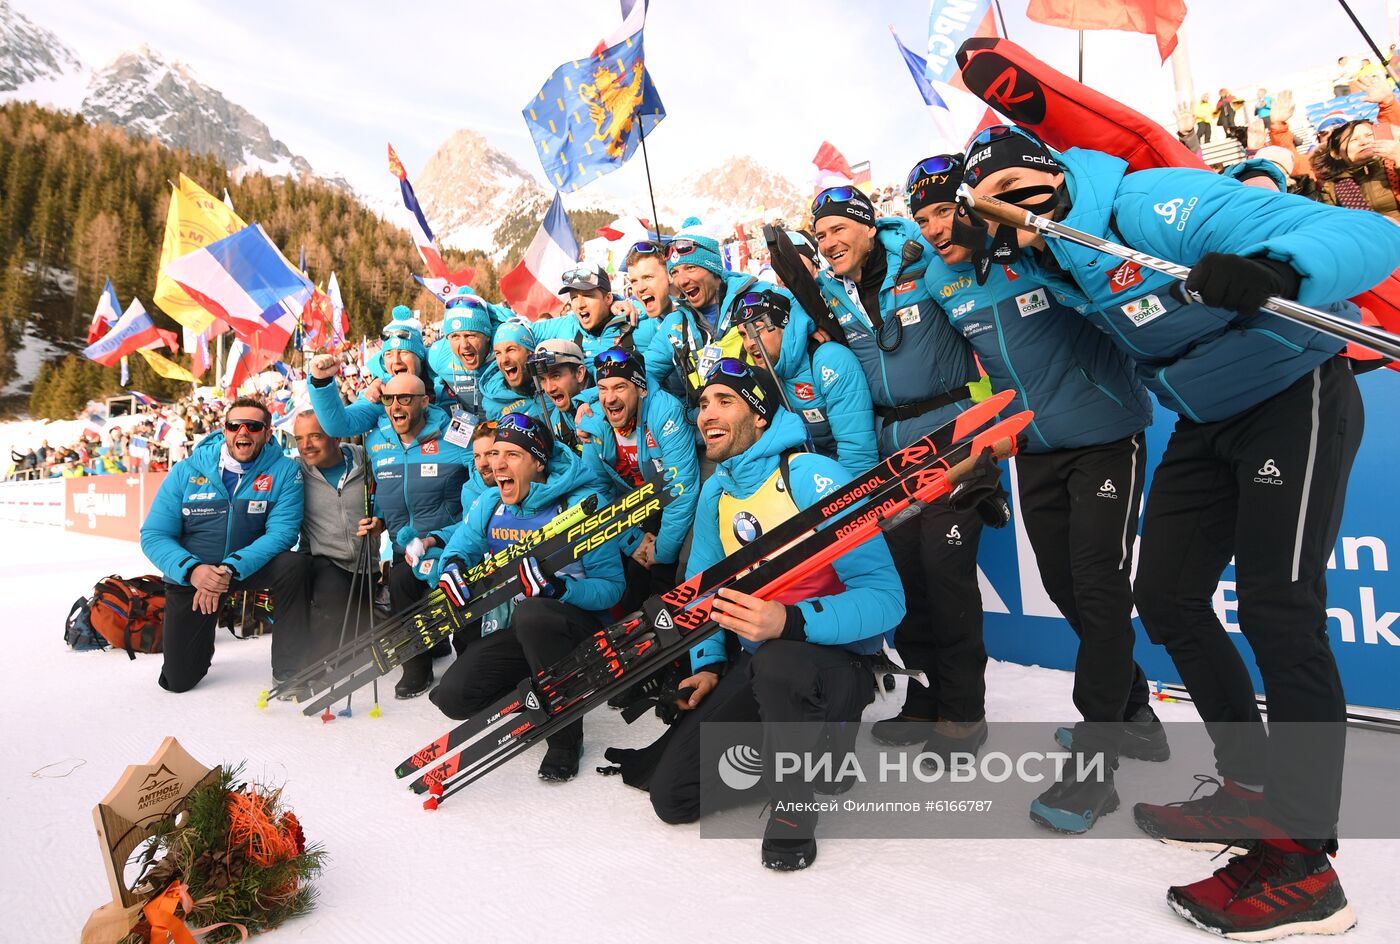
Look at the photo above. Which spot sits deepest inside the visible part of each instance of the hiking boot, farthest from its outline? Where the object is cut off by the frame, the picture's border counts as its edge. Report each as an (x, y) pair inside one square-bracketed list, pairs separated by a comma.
[(1225, 819), (1144, 737), (1073, 805), (955, 737), (1280, 887)]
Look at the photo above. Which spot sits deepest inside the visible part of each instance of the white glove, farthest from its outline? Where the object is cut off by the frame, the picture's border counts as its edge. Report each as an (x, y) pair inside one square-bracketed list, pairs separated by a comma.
[(414, 551)]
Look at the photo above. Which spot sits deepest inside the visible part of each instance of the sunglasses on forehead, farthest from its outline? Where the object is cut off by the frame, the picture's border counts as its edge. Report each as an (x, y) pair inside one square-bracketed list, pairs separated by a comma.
[(1000, 133), (682, 247), (931, 166), (465, 301), (614, 355), (252, 426), (843, 194), (646, 248), (585, 274), (768, 307)]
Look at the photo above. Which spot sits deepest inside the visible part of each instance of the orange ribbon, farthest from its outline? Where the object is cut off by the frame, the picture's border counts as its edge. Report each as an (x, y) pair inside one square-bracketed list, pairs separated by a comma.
[(167, 927)]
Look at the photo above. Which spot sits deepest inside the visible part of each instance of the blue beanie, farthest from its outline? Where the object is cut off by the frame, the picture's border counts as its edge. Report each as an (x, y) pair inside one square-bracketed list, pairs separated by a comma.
[(405, 334), (467, 311), (515, 332), (703, 249)]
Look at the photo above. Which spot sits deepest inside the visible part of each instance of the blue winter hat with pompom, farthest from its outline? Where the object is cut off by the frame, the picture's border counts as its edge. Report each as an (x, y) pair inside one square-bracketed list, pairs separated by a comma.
[(693, 246)]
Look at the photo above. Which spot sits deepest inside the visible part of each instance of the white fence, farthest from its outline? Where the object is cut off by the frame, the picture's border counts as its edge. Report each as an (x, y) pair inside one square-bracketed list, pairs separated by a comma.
[(35, 502)]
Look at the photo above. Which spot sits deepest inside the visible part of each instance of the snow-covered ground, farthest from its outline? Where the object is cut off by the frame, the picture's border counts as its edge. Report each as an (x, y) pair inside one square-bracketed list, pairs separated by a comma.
[(514, 858)]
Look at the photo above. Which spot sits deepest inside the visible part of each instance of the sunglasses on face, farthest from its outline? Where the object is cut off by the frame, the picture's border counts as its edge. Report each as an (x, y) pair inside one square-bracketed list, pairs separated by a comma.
[(252, 426), (402, 399)]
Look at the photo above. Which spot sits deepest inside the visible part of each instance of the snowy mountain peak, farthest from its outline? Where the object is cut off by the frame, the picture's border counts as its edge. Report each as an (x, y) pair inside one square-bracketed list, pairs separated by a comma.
[(144, 92), (31, 55), (468, 186), (731, 192)]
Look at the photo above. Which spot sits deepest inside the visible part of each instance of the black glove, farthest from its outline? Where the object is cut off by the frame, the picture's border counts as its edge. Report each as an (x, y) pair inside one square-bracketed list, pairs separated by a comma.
[(1240, 284), (980, 489)]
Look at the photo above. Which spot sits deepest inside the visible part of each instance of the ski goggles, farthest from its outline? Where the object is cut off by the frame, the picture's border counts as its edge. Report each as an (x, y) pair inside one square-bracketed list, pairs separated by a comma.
[(683, 247), (519, 422), (834, 195), (730, 367), (737, 376), (402, 399), (617, 362), (932, 167), (846, 200), (763, 309), (647, 248), (1001, 133), (465, 301), (252, 426), (528, 433)]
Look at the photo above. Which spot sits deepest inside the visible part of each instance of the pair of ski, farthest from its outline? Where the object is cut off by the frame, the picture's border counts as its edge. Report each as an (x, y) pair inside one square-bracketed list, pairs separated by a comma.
[(624, 653), (569, 536)]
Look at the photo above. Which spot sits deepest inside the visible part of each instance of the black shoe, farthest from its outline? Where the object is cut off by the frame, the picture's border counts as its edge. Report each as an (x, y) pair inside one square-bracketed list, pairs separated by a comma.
[(1144, 737), (560, 762), (1073, 805), (417, 678), (441, 649), (901, 729), (789, 841)]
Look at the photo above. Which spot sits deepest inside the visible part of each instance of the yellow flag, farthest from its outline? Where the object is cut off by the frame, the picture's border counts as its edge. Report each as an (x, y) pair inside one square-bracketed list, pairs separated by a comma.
[(166, 367), (196, 218)]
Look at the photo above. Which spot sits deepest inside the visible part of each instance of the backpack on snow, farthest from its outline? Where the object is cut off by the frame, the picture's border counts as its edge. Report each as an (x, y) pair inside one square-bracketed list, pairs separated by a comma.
[(127, 612)]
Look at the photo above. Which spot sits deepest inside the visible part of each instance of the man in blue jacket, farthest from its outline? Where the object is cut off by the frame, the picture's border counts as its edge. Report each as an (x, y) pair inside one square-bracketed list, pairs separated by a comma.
[(535, 480), (403, 353), (507, 385), (636, 432), (1256, 469), (803, 653), (561, 375), (885, 298), (420, 464), (458, 360), (1079, 477), (821, 381), (591, 323), (226, 519)]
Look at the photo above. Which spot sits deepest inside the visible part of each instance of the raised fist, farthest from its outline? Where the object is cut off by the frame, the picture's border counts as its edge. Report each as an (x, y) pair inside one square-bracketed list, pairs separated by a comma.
[(324, 366)]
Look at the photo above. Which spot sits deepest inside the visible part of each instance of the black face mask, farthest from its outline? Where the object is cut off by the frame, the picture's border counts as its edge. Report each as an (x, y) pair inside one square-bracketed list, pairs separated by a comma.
[(1003, 248)]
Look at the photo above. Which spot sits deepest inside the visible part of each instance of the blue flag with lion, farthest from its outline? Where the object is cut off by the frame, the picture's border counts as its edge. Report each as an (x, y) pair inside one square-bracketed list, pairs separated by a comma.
[(590, 114)]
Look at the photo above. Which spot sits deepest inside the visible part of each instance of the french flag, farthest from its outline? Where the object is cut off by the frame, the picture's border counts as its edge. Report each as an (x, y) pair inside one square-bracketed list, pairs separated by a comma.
[(422, 233), (244, 362), (246, 281), (96, 424), (107, 313), (532, 287), (133, 331), (957, 113)]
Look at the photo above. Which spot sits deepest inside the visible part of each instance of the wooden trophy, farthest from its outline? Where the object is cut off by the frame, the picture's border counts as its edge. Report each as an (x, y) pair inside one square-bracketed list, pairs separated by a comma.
[(146, 794)]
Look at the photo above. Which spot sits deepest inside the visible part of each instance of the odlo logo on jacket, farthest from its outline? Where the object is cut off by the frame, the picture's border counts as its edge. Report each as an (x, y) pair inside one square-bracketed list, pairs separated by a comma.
[(1269, 474), (1106, 490), (954, 536)]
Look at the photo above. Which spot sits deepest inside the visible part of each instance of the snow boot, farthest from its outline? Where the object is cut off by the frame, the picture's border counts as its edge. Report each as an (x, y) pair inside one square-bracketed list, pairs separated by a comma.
[(955, 737), (1074, 804), (1279, 887), (1226, 819), (417, 677), (1144, 737), (789, 841), (561, 760), (901, 729)]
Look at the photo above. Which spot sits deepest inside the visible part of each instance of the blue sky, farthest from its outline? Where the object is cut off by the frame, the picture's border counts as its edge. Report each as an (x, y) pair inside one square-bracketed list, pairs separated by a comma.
[(770, 78)]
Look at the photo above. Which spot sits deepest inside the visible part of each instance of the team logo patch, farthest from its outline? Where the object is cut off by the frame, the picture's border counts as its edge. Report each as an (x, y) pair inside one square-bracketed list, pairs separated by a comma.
[(904, 287), (428, 470), (909, 316), (257, 507), (263, 483), (746, 527), (813, 416), (651, 440), (430, 448), (1032, 303), (1124, 277), (1145, 309), (804, 391)]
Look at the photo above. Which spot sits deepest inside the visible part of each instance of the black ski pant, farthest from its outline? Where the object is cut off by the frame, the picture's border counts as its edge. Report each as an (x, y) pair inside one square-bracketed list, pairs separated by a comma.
[(792, 688), (1080, 508), (542, 631), (1265, 486), (643, 582), (405, 589), (189, 635), (941, 633), (335, 617)]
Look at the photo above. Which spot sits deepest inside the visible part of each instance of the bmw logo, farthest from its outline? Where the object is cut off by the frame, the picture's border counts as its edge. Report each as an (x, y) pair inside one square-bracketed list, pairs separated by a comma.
[(746, 527)]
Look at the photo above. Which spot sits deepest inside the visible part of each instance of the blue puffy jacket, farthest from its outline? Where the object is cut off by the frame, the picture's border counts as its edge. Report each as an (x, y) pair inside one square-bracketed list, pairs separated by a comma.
[(458, 387), (567, 328), (683, 334), (498, 398), (1206, 363), (600, 584), (827, 388), (194, 520), (864, 615), (932, 360), (1083, 390), (663, 435)]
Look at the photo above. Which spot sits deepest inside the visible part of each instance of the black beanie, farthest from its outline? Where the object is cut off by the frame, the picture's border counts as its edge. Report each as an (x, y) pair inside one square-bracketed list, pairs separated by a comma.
[(618, 362), (927, 188), (737, 376), (1013, 148), (847, 200), (528, 433)]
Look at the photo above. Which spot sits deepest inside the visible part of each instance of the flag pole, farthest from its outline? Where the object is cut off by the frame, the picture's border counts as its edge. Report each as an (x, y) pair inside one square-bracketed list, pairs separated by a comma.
[(1002, 16), (1081, 57), (655, 219), (1385, 63)]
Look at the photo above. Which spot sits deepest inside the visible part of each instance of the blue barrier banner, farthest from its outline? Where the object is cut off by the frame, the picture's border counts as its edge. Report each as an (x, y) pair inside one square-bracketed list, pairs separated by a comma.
[(1022, 625)]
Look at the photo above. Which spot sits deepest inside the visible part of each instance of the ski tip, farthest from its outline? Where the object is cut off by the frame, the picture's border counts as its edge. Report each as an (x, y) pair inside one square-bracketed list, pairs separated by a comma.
[(375, 712), (328, 716), (431, 803)]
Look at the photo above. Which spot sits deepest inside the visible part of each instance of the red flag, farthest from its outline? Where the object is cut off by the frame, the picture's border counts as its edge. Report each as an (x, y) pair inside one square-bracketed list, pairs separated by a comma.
[(1160, 18), (831, 160), (396, 165), (169, 339)]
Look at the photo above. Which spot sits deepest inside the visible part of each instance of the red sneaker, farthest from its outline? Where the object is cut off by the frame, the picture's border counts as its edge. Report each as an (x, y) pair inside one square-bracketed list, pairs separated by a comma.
[(1276, 889), (1224, 820)]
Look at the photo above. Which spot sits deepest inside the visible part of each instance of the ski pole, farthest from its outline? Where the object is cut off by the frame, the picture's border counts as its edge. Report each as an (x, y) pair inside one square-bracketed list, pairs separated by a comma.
[(999, 211)]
